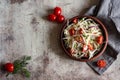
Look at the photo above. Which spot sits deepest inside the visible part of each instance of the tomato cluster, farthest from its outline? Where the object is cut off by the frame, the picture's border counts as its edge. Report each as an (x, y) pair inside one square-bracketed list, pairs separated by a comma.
[(56, 16)]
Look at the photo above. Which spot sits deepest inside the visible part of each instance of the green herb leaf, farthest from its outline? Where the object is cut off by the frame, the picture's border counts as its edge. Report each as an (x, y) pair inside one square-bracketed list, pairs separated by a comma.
[(26, 73), (28, 58), (17, 66)]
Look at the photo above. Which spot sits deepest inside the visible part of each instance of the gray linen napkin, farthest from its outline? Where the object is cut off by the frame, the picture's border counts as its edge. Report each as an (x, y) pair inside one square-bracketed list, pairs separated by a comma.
[(108, 11)]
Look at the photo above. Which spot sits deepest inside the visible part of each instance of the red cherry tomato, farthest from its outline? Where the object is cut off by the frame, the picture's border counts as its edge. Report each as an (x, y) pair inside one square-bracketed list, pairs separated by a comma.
[(100, 39), (72, 31), (75, 20), (52, 17), (9, 67), (60, 18), (57, 11), (101, 63)]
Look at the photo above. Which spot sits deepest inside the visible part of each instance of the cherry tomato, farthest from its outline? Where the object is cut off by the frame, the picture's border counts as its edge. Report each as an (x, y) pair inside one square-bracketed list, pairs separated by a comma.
[(57, 11), (90, 47), (85, 47), (101, 63), (72, 31), (80, 31), (9, 67), (52, 17), (75, 20), (60, 18), (100, 39)]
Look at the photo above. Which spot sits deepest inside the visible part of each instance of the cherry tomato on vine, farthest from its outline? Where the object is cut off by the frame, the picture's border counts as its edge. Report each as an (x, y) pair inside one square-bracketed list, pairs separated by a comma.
[(9, 67)]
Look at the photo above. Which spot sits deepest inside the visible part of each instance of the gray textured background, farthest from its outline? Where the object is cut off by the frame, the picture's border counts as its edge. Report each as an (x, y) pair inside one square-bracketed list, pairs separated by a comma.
[(24, 30)]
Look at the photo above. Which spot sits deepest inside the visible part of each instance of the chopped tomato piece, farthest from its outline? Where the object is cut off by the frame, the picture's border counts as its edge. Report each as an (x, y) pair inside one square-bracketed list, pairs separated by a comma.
[(101, 63), (100, 39), (71, 51), (85, 47), (78, 39), (90, 47), (72, 31), (80, 31), (75, 20)]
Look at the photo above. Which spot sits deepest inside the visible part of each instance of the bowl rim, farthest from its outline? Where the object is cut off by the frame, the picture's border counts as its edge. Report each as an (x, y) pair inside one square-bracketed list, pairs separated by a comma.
[(105, 36)]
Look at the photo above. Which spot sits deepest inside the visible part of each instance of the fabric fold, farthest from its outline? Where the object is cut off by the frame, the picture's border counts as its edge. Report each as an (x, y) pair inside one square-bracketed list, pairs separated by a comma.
[(108, 11)]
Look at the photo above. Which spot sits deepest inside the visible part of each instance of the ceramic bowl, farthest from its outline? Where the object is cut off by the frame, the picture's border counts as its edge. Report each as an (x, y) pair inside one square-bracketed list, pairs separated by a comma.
[(105, 35)]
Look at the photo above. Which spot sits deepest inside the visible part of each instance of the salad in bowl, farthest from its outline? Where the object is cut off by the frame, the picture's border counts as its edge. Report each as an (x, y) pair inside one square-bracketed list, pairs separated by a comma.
[(84, 38)]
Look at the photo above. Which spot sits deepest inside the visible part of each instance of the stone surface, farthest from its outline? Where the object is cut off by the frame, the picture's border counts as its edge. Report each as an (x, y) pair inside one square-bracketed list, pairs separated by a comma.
[(25, 30)]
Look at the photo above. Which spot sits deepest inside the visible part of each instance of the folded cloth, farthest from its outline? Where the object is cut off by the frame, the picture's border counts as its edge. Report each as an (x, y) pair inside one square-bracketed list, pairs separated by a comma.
[(108, 11)]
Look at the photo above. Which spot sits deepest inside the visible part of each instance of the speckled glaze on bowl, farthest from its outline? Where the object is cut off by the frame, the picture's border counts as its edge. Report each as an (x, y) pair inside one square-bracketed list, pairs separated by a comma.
[(105, 35)]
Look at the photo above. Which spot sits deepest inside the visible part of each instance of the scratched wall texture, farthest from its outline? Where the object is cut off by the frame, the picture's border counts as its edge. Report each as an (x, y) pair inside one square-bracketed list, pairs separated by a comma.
[(24, 30)]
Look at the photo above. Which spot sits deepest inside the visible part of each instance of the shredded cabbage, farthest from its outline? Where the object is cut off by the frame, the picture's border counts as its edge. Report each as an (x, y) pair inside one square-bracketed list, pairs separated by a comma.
[(90, 31)]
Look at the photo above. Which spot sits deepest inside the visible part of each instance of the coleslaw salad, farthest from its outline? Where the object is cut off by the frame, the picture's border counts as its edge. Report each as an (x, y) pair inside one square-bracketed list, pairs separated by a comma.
[(83, 38)]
